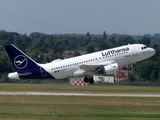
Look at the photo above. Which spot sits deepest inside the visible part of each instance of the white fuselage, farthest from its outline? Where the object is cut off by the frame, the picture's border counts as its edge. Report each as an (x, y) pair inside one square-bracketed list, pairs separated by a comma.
[(121, 55)]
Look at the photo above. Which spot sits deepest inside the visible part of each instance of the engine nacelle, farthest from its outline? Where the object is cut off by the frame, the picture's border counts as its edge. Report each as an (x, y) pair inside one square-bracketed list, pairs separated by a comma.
[(109, 69)]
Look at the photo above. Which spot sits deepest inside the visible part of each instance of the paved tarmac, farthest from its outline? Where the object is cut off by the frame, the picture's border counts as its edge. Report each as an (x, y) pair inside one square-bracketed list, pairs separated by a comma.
[(81, 94)]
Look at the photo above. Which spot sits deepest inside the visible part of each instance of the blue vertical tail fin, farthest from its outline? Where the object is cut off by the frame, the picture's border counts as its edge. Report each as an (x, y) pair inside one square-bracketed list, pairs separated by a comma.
[(19, 59), (26, 67)]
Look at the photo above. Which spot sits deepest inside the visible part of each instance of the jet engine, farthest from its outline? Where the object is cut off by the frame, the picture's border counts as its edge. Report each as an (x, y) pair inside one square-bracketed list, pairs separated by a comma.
[(109, 69)]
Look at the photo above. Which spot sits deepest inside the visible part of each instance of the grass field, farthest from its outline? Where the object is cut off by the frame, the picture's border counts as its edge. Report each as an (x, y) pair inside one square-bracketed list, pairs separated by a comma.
[(81, 89), (29, 107)]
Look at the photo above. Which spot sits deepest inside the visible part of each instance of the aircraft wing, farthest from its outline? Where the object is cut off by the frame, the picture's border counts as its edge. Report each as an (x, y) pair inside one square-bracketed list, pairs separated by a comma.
[(96, 67), (91, 69), (87, 69)]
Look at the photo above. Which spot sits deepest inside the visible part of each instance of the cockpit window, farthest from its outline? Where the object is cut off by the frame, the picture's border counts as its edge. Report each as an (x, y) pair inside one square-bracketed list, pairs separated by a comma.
[(144, 47)]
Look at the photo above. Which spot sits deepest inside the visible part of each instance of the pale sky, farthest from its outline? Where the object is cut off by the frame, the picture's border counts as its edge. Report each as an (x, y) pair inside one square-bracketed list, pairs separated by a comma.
[(133, 17)]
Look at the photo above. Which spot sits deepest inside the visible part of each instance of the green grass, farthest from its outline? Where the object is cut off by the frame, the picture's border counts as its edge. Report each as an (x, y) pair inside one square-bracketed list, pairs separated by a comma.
[(29, 107), (82, 89), (71, 107)]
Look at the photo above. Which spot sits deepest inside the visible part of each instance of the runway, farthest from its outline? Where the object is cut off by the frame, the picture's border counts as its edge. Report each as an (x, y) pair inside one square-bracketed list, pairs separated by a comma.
[(81, 94)]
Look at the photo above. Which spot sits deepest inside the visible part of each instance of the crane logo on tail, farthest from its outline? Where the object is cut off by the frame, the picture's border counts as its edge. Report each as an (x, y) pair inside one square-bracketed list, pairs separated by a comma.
[(20, 62)]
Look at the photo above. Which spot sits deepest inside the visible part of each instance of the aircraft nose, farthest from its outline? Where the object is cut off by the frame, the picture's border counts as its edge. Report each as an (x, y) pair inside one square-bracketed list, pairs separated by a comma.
[(151, 51)]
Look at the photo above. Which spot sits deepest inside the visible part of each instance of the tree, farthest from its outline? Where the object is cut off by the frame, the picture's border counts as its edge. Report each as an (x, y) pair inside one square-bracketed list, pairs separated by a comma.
[(124, 40), (148, 70), (157, 49), (58, 50), (104, 35), (111, 42), (90, 48), (35, 35), (46, 59), (34, 55), (144, 40), (49, 41), (37, 43), (19, 43), (26, 40), (88, 35), (102, 44), (131, 78)]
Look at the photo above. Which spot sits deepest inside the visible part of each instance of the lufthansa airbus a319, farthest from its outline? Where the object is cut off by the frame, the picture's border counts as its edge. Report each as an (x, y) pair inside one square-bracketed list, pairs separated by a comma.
[(81, 67)]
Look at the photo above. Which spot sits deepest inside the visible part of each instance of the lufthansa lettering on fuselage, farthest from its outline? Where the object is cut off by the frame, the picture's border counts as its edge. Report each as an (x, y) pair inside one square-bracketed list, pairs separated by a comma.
[(111, 52)]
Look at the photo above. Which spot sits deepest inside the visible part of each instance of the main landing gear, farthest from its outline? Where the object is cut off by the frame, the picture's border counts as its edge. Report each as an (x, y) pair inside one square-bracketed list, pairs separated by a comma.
[(88, 79)]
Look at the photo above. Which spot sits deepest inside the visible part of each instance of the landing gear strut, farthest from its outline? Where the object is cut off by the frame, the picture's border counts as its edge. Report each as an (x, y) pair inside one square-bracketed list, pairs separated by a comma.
[(88, 79)]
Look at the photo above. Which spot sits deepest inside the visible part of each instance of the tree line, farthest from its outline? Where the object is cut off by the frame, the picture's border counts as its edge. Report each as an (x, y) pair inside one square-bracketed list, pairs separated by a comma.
[(44, 48)]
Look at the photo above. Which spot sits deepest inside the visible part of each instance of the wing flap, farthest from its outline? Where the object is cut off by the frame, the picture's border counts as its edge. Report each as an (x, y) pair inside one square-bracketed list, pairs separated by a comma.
[(89, 67)]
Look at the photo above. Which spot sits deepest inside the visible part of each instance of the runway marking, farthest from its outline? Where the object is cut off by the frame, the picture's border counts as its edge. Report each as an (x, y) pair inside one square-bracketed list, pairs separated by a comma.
[(81, 94)]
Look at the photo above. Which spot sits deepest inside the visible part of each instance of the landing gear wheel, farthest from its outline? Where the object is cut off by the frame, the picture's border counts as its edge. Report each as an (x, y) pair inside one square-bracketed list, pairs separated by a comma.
[(136, 69), (86, 80), (91, 80)]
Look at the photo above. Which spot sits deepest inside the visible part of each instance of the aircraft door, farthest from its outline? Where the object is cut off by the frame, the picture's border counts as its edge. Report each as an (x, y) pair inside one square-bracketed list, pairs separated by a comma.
[(134, 52)]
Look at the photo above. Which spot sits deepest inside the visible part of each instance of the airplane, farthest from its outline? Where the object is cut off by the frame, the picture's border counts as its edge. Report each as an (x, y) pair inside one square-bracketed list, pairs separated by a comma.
[(81, 67)]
